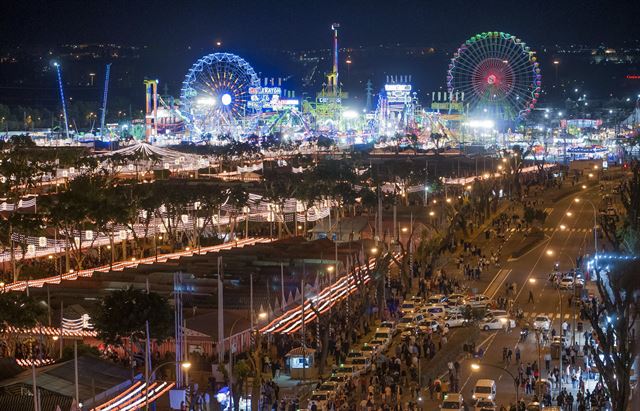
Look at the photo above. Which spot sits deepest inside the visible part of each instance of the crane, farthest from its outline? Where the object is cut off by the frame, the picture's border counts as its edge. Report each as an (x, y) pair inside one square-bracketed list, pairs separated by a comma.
[(104, 100)]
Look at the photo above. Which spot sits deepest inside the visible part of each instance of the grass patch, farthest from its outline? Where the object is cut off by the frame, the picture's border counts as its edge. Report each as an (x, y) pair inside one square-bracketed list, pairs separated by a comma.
[(534, 238), (573, 190)]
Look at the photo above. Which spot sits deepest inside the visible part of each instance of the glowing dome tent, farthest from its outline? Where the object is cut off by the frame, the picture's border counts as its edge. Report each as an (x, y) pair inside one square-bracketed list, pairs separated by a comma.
[(144, 156)]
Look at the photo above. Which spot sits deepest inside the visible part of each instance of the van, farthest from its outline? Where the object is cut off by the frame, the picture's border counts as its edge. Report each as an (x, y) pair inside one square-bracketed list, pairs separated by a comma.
[(485, 390), (452, 401)]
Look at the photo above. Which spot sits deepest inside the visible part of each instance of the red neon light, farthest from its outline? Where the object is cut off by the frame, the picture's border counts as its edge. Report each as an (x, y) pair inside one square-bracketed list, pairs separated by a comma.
[(633, 77)]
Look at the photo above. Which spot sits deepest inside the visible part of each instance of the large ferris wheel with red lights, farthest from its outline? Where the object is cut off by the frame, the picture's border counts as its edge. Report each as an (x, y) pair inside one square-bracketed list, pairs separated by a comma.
[(495, 74)]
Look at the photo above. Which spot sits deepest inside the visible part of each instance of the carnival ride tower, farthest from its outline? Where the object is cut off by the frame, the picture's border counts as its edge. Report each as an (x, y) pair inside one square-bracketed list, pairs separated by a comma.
[(333, 85), (151, 109)]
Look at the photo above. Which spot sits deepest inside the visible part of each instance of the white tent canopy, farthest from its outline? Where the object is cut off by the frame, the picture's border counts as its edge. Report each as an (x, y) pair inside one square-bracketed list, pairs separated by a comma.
[(147, 156)]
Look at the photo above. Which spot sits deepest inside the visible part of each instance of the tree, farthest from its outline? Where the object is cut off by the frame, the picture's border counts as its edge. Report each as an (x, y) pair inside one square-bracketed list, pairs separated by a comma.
[(18, 310), (123, 314), (86, 204), (613, 320), (627, 234)]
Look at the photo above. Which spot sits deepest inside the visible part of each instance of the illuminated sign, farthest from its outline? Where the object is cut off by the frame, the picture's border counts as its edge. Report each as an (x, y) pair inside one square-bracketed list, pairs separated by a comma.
[(580, 123), (398, 93), (633, 77), (397, 87), (447, 106), (326, 100), (265, 90)]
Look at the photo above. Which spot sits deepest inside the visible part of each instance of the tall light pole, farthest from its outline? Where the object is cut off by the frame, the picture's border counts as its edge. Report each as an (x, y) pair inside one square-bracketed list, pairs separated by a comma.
[(184, 364), (64, 104)]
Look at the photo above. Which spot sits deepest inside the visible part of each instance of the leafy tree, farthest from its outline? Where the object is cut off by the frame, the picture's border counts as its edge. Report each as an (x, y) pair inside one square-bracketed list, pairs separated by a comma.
[(613, 319), (86, 204), (18, 310), (626, 234), (123, 314)]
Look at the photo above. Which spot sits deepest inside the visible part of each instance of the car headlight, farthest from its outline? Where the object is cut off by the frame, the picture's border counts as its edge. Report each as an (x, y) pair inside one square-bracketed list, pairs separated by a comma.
[(473, 396)]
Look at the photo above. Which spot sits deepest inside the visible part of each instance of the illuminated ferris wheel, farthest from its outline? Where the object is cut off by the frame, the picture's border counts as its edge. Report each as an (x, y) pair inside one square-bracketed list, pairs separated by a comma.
[(496, 75), (215, 93)]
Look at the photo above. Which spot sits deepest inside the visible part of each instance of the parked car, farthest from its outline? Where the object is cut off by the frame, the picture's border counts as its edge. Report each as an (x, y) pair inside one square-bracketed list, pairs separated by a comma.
[(479, 301), (341, 381), (408, 307), (361, 365), (456, 299), (384, 334), (330, 388), (455, 320), (354, 354), (320, 400), (496, 323), (390, 325), (348, 371), (435, 310), (437, 299), (380, 345), (410, 320), (542, 322), (429, 325)]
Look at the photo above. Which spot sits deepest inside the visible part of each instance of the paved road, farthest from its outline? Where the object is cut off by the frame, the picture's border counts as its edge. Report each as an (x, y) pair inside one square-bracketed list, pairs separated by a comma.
[(530, 273)]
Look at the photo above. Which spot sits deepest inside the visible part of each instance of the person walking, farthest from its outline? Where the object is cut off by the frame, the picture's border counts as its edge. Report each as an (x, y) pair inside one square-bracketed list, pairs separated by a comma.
[(530, 297)]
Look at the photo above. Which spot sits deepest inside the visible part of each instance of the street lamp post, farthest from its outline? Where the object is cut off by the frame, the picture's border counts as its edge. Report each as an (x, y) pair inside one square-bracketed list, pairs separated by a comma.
[(185, 365), (476, 367)]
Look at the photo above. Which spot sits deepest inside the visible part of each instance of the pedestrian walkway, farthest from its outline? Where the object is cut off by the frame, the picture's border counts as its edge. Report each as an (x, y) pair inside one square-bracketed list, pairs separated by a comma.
[(552, 316)]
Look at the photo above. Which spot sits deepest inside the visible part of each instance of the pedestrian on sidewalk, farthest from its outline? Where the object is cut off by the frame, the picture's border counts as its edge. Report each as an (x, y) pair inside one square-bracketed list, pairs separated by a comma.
[(530, 297)]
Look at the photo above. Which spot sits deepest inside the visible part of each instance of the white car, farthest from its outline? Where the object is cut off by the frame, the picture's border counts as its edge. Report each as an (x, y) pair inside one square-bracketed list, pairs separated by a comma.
[(496, 324), (456, 299), (361, 365), (435, 310), (496, 314), (347, 371), (479, 301), (542, 322), (429, 325), (380, 345), (455, 320), (437, 299), (566, 283), (330, 388), (383, 334), (390, 325), (368, 350), (341, 381), (409, 321), (354, 354), (320, 400), (408, 307)]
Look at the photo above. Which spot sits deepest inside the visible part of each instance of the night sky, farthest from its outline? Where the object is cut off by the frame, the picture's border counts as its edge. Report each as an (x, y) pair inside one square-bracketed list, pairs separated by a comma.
[(304, 24)]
